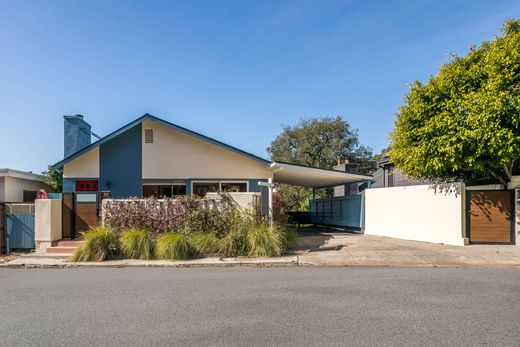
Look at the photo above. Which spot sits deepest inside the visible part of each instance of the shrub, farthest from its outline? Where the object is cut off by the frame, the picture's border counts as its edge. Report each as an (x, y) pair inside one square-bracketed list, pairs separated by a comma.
[(291, 238), (173, 245), (204, 243), (137, 244), (99, 244), (234, 244), (264, 241), (155, 215)]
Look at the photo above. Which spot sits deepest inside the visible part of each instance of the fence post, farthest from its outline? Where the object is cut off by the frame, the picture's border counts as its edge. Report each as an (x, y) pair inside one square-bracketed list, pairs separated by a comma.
[(2, 229)]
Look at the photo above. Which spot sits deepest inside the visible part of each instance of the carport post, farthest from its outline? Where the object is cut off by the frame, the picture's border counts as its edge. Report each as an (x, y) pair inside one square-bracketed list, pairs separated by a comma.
[(270, 203), (269, 184)]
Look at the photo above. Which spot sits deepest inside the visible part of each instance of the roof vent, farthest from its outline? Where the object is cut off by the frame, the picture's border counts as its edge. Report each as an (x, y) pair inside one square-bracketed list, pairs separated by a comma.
[(148, 135)]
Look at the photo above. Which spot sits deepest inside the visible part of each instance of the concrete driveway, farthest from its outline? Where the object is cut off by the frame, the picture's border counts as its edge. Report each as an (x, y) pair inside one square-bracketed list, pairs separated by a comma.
[(322, 247)]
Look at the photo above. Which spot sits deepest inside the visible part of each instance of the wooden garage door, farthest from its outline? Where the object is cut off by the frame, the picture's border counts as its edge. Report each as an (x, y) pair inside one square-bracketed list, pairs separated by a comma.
[(490, 216)]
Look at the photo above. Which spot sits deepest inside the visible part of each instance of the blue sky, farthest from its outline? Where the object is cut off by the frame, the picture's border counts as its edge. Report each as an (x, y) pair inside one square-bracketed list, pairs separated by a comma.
[(233, 70)]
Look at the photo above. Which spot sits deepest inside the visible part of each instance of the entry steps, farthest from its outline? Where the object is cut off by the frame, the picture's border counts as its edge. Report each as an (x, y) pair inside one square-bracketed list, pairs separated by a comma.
[(64, 247)]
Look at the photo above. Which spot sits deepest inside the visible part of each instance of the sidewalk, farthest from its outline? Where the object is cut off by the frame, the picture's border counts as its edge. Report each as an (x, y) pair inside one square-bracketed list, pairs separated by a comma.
[(36, 261), (320, 247)]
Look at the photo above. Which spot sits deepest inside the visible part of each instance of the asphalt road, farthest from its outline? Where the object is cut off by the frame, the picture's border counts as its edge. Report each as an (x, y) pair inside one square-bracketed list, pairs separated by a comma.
[(259, 306)]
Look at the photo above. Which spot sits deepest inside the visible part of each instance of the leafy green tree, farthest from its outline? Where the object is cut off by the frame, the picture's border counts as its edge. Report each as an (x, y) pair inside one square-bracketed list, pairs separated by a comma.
[(54, 178), (317, 142), (464, 122)]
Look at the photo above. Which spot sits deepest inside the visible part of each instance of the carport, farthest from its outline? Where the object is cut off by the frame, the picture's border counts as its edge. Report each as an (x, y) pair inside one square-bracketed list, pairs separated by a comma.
[(342, 211)]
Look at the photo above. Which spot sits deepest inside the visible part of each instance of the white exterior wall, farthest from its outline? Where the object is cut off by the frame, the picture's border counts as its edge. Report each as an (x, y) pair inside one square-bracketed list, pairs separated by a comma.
[(84, 166), (175, 155), (2, 189), (417, 213), (47, 223), (13, 188)]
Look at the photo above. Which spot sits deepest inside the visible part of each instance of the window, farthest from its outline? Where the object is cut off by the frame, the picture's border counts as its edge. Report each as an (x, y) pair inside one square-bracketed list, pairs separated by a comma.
[(163, 190), (148, 135), (201, 188), (87, 186), (234, 187), (29, 196)]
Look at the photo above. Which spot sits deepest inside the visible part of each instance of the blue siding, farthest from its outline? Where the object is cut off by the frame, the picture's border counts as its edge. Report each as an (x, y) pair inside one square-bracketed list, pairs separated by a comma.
[(346, 211), (120, 164), (20, 231)]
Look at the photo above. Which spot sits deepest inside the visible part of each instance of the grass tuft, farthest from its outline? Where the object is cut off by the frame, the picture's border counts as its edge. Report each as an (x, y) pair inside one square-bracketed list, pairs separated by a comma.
[(234, 244), (173, 245), (264, 241), (137, 244), (204, 243), (98, 244)]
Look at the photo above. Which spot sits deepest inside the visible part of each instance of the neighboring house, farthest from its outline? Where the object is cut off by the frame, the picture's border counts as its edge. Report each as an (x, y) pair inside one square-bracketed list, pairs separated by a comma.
[(153, 157), (20, 186), (387, 175)]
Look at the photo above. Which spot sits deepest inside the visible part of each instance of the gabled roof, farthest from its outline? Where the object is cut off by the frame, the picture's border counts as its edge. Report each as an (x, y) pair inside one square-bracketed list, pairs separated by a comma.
[(168, 124)]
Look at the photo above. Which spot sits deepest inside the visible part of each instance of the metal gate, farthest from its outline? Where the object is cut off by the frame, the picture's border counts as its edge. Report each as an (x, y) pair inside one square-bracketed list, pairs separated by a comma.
[(490, 216), (19, 226)]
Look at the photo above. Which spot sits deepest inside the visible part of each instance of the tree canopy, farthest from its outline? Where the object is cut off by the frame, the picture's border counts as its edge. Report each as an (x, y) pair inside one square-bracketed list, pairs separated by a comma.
[(465, 121), (54, 178), (317, 142), (320, 142)]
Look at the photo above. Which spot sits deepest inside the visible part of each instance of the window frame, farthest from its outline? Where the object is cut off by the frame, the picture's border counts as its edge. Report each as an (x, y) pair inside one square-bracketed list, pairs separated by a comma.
[(171, 185), (220, 184), (86, 182)]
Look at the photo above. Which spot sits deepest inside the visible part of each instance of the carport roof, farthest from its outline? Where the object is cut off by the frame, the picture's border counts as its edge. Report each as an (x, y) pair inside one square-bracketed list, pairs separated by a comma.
[(311, 177)]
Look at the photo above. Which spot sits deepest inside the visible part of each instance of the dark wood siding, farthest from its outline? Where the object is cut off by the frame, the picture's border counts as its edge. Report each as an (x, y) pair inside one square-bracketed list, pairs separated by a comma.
[(67, 215)]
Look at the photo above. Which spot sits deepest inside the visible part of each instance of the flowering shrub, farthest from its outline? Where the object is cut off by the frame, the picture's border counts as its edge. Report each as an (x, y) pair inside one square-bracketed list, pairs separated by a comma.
[(155, 215)]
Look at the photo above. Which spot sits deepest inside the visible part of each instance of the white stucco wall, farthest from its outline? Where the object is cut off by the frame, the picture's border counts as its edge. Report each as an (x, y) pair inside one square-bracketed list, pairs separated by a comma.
[(47, 223), (84, 166), (177, 155), (13, 188), (416, 213), (2, 189)]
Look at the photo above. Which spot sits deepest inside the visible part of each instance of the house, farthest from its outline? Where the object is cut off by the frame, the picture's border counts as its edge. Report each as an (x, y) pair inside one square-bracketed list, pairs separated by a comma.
[(387, 175), (20, 186), (153, 157)]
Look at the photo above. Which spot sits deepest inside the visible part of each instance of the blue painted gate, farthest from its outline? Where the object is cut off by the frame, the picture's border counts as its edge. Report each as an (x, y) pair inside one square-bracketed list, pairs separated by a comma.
[(345, 211), (19, 226)]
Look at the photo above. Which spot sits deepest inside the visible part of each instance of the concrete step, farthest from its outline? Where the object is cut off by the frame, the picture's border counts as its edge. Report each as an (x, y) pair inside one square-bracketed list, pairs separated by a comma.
[(61, 250), (67, 243)]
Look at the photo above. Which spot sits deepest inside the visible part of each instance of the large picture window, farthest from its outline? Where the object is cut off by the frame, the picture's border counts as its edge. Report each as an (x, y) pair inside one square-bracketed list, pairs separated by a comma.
[(234, 187), (202, 188), (163, 190)]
